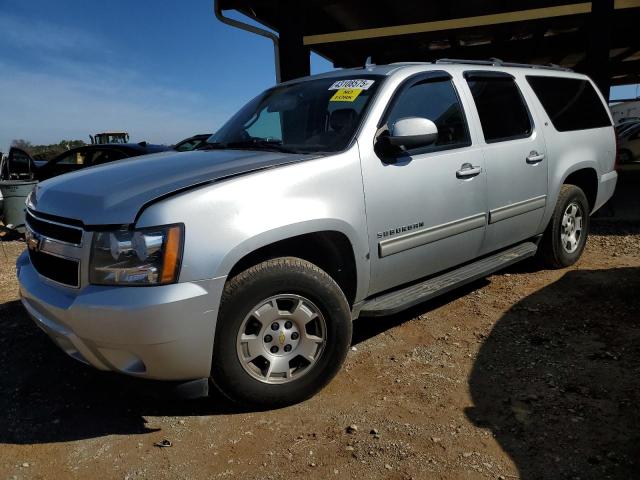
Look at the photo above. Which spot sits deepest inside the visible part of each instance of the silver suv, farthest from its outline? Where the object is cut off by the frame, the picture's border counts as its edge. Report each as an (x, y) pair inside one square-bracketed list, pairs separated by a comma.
[(354, 193)]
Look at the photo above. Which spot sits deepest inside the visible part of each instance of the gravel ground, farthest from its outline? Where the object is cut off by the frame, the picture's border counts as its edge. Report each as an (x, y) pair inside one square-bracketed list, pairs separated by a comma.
[(528, 374)]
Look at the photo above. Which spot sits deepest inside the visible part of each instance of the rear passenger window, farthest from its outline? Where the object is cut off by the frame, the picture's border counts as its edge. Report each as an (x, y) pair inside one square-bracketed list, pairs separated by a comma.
[(437, 100), (503, 113), (106, 156), (74, 158), (571, 103)]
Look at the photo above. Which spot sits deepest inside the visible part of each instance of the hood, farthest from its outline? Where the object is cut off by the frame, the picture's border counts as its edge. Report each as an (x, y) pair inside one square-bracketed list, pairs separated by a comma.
[(114, 193)]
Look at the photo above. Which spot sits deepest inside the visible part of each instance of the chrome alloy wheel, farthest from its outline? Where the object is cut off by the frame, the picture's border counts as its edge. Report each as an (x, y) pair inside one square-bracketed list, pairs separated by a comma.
[(281, 338), (571, 230)]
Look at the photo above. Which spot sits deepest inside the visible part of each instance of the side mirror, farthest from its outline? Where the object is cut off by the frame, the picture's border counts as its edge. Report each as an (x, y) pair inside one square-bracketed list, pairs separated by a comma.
[(407, 133)]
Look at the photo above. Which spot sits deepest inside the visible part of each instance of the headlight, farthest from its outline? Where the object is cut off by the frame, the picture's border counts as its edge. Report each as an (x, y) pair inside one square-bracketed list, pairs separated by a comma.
[(149, 256)]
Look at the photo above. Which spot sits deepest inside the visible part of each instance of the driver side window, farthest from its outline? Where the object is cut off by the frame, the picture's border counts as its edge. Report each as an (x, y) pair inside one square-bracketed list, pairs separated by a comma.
[(437, 100)]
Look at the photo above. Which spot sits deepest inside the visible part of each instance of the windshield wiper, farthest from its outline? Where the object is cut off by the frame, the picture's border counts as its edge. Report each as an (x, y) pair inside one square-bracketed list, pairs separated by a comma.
[(252, 144), (261, 144)]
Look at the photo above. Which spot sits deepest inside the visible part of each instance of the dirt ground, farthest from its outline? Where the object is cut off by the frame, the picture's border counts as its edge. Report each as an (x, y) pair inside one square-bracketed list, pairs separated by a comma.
[(528, 374)]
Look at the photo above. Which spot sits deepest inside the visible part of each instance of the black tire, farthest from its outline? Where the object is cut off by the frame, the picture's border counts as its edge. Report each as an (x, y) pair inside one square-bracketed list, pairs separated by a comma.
[(551, 250), (279, 276)]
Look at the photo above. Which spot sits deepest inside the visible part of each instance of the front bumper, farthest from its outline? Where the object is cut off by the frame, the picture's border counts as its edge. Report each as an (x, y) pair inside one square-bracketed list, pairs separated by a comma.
[(163, 332)]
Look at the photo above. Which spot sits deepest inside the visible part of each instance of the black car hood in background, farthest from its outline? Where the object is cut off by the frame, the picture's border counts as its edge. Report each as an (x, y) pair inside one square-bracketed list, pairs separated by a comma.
[(114, 193)]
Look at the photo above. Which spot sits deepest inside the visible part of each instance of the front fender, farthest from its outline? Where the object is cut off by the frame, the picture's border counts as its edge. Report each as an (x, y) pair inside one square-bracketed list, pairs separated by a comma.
[(227, 220), (284, 232)]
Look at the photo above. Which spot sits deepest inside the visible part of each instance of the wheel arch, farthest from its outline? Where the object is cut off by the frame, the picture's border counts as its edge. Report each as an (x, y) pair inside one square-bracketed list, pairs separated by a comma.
[(587, 180), (330, 249)]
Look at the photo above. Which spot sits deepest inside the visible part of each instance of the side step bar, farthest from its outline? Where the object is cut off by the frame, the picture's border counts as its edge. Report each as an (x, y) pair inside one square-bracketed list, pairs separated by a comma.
[(393, 302)]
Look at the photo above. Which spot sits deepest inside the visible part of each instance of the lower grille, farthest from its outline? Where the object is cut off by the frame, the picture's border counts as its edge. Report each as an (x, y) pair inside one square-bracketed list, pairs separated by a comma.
[(58, 269)]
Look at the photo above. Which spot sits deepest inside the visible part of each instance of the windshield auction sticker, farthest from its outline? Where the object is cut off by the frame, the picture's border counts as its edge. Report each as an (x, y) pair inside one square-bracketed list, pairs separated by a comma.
[(346, 95), (352, 83)]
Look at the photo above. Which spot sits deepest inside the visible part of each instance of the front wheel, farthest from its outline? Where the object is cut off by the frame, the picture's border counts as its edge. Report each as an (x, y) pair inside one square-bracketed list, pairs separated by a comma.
[(283, 332), (566, 235)]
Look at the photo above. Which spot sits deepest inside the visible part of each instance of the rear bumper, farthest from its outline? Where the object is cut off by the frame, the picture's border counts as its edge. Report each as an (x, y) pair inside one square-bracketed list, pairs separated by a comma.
[(163, 333), (606, 187)]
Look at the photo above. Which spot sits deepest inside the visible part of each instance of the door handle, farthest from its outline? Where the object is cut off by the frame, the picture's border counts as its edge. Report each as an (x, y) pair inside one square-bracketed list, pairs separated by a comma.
[(535, 157), (467, 170)]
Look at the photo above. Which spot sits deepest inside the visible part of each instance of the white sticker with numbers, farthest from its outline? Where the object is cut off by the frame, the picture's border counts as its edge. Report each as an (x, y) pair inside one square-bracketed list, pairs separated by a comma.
[(352, 83)]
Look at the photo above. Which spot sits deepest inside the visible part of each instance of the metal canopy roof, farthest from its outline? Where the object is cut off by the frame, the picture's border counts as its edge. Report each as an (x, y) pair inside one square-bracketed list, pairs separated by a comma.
[(545, 31)]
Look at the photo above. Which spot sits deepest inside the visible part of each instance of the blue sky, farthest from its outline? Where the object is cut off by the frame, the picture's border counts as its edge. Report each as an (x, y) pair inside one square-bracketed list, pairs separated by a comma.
[(160, 69)]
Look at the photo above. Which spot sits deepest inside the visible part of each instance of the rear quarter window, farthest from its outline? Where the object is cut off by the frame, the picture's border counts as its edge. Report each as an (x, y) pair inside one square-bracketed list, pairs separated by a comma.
[(571, 103)]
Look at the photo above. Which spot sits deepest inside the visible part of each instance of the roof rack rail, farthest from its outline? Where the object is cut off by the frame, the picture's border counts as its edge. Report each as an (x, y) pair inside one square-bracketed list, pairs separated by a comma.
[(496, 62)]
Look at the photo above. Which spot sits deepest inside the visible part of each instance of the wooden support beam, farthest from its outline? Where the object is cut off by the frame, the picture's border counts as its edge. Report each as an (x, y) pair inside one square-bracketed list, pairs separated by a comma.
[(600, 25), (295, 59), (466, 22)]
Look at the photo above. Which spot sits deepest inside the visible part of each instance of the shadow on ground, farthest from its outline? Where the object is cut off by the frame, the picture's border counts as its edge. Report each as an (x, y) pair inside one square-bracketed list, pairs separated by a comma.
[(556, 381), (366, 328), (624, 206), (49, 397)]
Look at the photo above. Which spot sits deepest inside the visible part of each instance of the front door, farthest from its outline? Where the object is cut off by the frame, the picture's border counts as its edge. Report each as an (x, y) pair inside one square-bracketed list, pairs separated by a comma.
[(515, 158), (426, 209)]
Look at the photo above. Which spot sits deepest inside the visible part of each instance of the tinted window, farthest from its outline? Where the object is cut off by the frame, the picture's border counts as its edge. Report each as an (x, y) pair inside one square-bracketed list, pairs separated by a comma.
[(106, 156), (503, 113), (571, 104), (74, 158), (188, 145), (436, 100)]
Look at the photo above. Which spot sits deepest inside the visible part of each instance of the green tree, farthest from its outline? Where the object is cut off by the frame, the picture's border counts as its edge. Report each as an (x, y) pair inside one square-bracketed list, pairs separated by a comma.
[(46, 152), (21, 144)]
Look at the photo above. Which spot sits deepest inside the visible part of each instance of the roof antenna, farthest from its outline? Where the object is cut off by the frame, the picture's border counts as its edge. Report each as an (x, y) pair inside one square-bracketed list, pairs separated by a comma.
[(368, 63)]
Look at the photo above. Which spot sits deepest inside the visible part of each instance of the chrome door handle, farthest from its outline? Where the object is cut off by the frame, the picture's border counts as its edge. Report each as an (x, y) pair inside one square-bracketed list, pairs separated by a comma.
[(467, 170), (535, 157)]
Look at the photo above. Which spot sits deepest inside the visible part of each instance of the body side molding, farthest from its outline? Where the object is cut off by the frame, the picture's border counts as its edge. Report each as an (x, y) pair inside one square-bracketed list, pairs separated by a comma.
[(428, 235), (508, 211)]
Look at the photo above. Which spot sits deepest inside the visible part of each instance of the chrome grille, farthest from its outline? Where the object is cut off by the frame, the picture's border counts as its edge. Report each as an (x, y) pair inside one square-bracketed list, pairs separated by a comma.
[(54, 230), (54, 249)]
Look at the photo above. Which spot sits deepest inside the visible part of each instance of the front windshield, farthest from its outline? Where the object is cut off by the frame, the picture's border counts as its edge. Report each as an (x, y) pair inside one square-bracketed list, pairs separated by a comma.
[(310, 116)]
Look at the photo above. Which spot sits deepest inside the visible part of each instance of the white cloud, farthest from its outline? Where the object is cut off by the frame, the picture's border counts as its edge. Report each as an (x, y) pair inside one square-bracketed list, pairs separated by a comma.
[(55, 97), (37, 34), (45, 108)]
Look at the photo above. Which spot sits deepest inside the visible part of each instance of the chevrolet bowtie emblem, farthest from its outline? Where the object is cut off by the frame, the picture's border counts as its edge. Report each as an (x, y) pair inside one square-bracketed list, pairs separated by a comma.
[(281, 338), (33, 240)]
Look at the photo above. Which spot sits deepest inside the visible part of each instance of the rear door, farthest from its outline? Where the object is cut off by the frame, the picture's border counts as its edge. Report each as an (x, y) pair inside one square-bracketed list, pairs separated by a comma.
[(515, 157)]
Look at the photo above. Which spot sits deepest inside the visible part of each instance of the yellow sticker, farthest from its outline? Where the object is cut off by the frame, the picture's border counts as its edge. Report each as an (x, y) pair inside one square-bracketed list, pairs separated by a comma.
[(345, 95)]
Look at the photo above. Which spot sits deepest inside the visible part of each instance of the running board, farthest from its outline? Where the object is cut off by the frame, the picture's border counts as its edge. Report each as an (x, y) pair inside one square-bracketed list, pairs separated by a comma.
[(393, 302)]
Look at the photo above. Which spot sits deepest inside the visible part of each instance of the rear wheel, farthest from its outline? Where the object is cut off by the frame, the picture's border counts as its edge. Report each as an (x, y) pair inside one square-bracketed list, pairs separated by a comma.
[(283, 331), (566, 235)]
